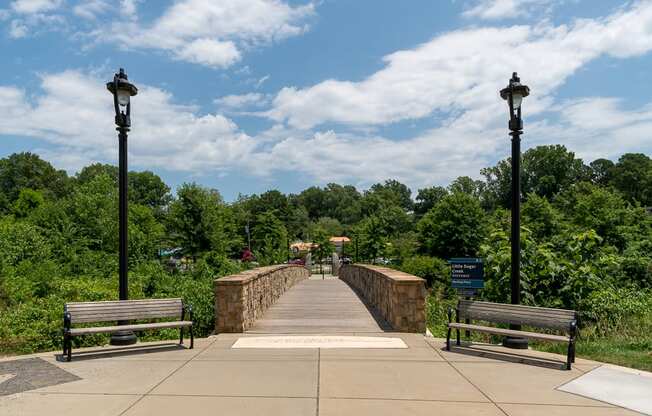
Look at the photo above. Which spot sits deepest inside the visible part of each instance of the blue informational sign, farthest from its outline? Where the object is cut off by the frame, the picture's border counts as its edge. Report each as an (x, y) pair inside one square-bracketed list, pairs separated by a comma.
[(467, 273)]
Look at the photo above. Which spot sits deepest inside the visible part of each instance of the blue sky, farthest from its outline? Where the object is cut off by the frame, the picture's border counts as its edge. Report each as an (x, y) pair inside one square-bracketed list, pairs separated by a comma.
[(250, 95)]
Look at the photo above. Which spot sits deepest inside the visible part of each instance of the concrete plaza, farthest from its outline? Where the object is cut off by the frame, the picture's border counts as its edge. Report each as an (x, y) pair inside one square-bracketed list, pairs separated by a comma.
[(423, 379)]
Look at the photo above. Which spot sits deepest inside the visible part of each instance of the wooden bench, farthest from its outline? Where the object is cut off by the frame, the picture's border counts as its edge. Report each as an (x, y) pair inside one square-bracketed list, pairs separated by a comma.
[(558, 319), (124, 310)]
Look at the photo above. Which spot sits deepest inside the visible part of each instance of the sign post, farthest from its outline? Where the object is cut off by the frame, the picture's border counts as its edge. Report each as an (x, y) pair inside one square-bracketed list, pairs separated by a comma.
[(467, 276)]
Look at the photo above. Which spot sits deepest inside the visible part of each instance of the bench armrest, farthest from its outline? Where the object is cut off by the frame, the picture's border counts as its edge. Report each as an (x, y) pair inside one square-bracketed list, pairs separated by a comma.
[(572, 330), (188, 309), (67, 318)]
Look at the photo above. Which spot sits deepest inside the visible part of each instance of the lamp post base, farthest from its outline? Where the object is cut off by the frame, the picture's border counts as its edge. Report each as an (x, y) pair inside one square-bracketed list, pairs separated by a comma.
[(515, 343), (123, 338)]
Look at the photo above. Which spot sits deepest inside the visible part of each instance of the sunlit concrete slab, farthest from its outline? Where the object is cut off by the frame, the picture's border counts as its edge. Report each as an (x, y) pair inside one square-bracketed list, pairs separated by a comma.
[(114, 376), (620, 386), (319, 341), (264, 354), (210, 406), (522, 383), (548, 410), (482, 352), (363, 407), (243, 378), (407, 354), (40, 404), (395, 380)]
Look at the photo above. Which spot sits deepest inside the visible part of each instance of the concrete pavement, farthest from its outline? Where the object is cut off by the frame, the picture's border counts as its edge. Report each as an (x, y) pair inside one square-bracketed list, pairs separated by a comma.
[(423, 379)]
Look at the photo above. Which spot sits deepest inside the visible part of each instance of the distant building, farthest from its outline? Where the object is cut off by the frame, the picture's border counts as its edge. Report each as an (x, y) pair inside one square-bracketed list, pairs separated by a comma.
[(301, 248), (339, 242)]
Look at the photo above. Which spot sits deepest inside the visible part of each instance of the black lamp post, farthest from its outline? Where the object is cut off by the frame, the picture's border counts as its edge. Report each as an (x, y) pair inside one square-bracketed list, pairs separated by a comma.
[(122, 91), (514, 94)]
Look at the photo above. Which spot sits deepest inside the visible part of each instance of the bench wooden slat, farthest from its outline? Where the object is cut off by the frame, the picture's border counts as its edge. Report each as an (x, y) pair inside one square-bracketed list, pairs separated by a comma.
[(510, 332), (479, 304), (518, 320), (123, 303), (124, 316), (516, 314), (134, 327)]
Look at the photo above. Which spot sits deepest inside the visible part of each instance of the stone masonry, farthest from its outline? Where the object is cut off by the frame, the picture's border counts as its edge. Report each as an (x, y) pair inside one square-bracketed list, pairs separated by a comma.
[(242, 298), (399, 297)]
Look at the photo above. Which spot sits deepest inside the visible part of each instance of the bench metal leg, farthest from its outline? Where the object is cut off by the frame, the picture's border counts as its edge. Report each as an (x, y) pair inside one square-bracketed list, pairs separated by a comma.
[(458, 337), (65, 344), (569, 356), (192, 339), (69, 349), (448, 339), (181, 335)]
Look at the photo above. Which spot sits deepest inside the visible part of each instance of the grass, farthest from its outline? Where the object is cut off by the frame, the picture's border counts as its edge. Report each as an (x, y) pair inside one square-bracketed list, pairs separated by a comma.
[(629, 344)]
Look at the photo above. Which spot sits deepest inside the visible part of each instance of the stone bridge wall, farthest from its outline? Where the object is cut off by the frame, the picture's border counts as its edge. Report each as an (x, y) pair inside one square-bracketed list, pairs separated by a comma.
[(242, 298), (399, 297)]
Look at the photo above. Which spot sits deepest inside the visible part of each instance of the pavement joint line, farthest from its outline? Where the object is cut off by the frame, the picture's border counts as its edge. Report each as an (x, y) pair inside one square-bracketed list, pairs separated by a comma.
[(235, 396), (318, 378), (560, 405), (398, 399), (470, 382), (164, 379)]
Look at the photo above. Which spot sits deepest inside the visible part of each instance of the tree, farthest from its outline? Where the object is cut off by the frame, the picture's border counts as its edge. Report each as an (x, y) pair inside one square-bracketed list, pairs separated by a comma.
[(427, 198), (601, 171), (466, 185), (540, 217), (605, 211), (455, 227), (28, 200), (389, 193), (327, 225), (195, 217), (371, 239), (632, 176), (322, 248), (147, 188), (27, 170), (269, 239), (144, 188), (546, 171)]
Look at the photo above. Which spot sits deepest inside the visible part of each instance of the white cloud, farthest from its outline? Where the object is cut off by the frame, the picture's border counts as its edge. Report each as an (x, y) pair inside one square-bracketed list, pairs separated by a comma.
[(90, 9), (234, 102), (17, 29), (506, 9), (35, 6), (464, 69), (209, 52), (75, 114), (212, 33)]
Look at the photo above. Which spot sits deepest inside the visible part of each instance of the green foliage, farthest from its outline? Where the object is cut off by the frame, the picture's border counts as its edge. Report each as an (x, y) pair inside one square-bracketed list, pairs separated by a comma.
[(546, 171), (27, 170), (427, 198), (28, 200), (436, 271), (323, 247), (21, 241), (195, 222), (269, 239), (632, 176), (454, 227)]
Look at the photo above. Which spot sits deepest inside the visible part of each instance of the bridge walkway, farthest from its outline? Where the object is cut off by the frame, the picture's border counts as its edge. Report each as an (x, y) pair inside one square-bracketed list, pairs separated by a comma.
[(316, 306)]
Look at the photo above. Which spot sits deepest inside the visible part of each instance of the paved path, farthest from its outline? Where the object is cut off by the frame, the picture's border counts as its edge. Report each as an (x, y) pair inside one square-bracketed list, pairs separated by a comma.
[(316, 306), (215, 379)]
